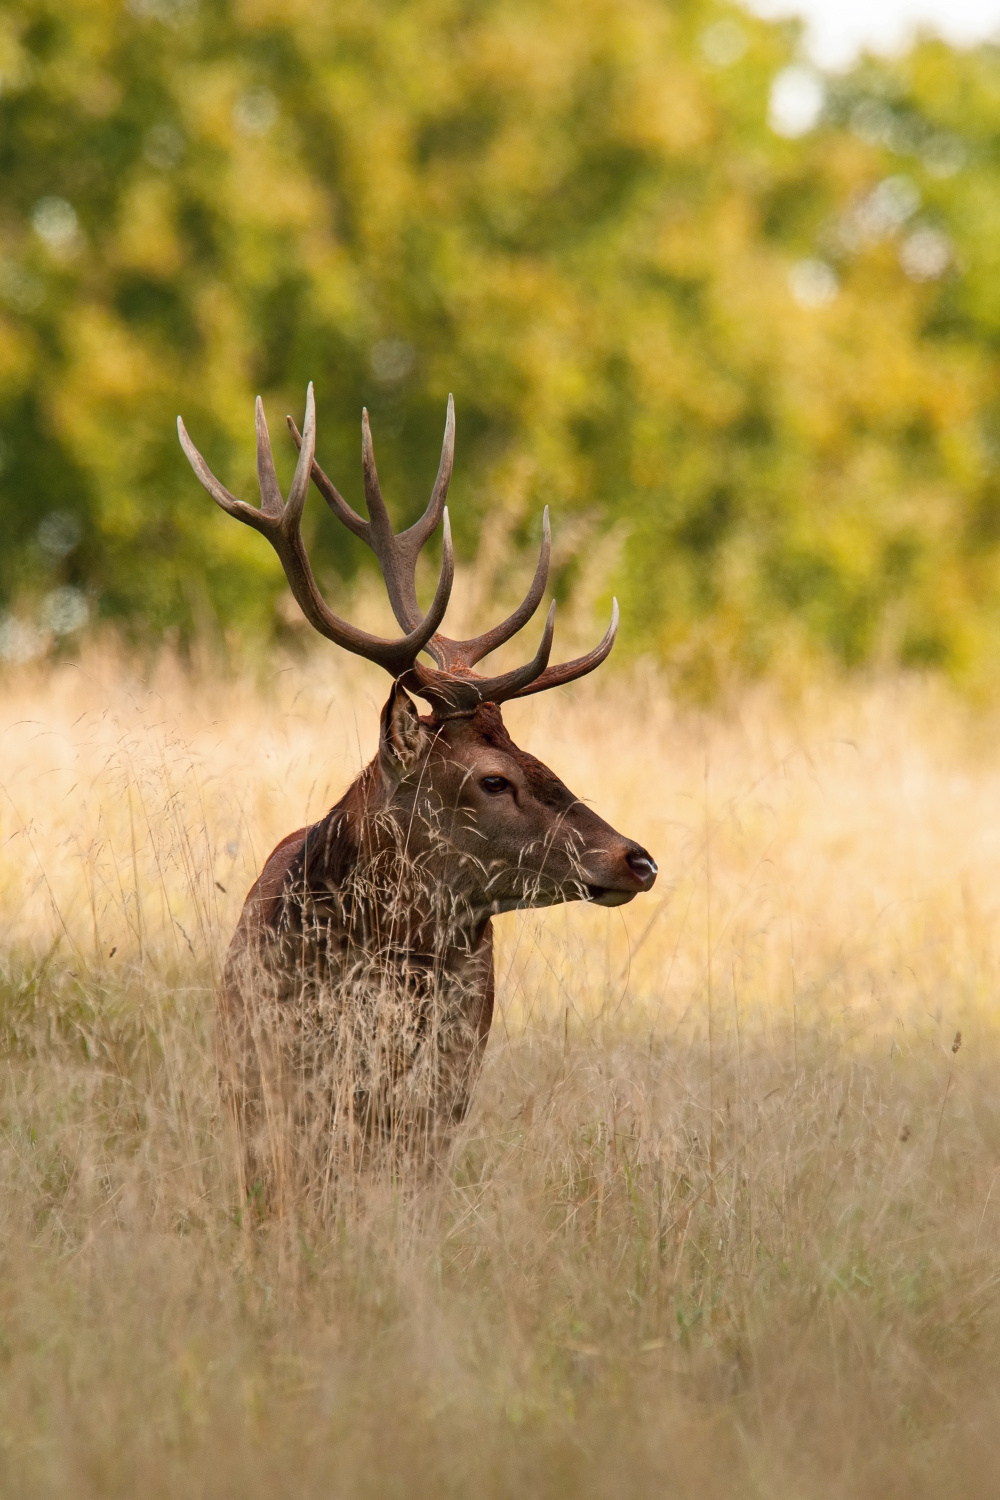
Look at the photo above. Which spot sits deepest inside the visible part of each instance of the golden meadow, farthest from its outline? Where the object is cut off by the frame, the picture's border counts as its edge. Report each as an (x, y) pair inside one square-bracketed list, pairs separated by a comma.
[(722, 1220)]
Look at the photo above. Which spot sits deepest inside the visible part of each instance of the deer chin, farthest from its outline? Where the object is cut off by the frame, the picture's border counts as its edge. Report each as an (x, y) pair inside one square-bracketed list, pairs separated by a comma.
[(602, 895), (543, 894)]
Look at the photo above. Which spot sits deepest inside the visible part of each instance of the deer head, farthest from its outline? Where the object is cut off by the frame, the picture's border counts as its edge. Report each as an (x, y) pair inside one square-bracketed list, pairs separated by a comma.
[(489, 822)]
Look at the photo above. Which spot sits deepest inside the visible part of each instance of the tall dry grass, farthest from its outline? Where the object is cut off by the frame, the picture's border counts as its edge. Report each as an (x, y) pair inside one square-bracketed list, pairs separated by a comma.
[(722, 1220)]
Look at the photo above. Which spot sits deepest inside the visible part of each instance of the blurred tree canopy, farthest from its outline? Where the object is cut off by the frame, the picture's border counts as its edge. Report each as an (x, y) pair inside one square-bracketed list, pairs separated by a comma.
[(680, 287)]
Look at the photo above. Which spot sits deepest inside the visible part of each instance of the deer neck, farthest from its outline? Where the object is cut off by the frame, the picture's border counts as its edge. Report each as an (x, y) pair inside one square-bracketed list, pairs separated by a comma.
[(394, 897)]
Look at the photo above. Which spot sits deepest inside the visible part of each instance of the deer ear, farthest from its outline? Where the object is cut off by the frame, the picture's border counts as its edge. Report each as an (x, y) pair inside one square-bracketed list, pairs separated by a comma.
[(403, 740)]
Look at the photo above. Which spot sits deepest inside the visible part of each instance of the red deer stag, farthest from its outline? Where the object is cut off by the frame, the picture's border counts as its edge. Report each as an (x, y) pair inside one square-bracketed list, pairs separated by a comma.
[(361, 971)]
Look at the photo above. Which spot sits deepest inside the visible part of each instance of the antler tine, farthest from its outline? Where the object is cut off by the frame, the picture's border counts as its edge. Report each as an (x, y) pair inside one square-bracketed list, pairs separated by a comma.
[(271, 500), (481, 645), (288, 516), (568, 671), (303, 468), (417, 534), (378, 515), (330, 492), (397, 560), (280, 524), (222, 497)]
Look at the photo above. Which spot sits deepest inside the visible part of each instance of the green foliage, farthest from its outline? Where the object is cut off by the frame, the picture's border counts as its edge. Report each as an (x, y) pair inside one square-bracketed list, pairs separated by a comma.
[(770, 361)]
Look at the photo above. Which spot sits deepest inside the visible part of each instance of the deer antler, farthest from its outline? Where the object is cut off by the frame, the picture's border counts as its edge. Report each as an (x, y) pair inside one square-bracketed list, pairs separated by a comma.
[(452, 688), (280, 523)]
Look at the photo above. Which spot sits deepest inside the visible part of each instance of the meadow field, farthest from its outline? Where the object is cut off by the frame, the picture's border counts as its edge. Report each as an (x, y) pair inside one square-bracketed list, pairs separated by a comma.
[(723, 1220)]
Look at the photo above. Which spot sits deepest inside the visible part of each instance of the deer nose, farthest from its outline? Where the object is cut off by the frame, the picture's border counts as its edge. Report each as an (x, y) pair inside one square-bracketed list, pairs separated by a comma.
[(642, 865)]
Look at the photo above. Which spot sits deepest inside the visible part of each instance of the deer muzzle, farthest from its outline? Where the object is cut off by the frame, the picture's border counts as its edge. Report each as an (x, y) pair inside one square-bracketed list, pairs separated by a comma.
[(626, 872)]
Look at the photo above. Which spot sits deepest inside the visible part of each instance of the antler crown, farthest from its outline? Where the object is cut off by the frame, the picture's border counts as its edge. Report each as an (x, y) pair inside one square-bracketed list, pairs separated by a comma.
[(451, 687)]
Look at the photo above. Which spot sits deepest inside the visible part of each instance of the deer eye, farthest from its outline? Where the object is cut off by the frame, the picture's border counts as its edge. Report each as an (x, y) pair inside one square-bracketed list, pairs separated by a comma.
[(495, 784)]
